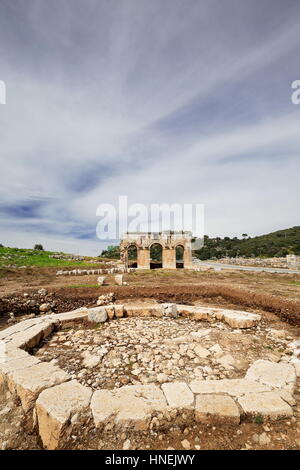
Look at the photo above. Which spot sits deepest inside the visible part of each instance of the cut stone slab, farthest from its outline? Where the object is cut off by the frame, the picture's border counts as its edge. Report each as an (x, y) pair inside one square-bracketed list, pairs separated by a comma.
[(110, 310), (234, 387), (97, 315), (119, 279), (130, 406), (75, 315), (267, 404), (17, 364), (196, 313), (119, 310), (55, 407), (178, 394), (28, 383), (31, 337), (216, 409), (238, 319), (143, 310), (274, 375)]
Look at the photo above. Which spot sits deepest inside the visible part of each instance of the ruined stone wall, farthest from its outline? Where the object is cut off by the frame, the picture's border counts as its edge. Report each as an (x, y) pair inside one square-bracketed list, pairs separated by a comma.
[(167, 240)]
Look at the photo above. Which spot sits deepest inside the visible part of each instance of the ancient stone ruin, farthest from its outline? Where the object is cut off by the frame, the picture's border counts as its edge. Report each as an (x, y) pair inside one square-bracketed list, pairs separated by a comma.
[(149, 250), (59, 406)]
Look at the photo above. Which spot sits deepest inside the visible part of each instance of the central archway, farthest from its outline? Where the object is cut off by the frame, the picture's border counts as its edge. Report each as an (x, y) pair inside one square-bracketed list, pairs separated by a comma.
[(156, 252)]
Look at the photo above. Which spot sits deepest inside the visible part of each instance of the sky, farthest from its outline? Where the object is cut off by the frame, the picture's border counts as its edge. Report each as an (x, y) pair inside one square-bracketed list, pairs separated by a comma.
[(164, 101)]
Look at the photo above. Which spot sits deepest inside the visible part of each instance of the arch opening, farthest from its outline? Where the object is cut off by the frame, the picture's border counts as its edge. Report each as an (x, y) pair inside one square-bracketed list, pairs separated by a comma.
[(132, 256), (156, 251), (179, 257)]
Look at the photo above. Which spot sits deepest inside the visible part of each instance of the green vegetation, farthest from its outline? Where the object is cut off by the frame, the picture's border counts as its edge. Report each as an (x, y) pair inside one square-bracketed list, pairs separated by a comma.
[(275, 244), (112, 252), (259, 419), (26, 257), (39, 247)]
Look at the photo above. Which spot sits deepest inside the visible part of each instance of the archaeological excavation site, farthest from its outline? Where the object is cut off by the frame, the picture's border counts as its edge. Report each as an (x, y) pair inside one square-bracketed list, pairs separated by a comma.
[(151, 363)]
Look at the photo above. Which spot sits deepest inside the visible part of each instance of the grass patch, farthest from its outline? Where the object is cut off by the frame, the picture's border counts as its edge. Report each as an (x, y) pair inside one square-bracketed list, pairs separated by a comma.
[(26, 257), (259, 419)]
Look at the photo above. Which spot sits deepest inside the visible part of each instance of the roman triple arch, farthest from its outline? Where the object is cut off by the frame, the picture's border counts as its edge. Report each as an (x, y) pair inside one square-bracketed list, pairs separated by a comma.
[(168, 250)]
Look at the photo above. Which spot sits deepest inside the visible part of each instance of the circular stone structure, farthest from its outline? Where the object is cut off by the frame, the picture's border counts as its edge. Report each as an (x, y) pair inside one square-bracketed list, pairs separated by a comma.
[(140, 367)]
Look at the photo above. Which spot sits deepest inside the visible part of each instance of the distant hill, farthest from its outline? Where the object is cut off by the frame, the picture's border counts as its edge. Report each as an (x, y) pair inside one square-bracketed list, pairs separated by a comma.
[(275, 244)]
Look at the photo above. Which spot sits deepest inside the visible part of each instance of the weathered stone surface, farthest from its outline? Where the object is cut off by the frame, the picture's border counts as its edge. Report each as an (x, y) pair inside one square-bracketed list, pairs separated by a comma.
[(110, 310), (267, 404), (234, 387), (119, 311), (178, 394), (275, 375), (241, 319), (129, 406), (55, 407), (169, 310), (101, 280), (29, 382), (216, 409), (196, 313), (227, 361), (75, 315), (119, 279), (143, 310), (19, 363), (201, 352), (31, 337), (90, 360), (97, 315)]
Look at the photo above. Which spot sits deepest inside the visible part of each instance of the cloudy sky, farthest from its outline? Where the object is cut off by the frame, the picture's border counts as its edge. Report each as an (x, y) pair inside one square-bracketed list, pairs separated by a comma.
[(165, 101)]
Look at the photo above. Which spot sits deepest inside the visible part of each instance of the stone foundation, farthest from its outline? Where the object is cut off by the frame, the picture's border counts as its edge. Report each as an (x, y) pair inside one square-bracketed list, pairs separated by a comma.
[(58, 404)]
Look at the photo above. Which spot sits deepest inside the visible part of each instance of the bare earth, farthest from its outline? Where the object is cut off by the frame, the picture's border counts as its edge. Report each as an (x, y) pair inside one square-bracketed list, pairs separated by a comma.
[(144, 350)]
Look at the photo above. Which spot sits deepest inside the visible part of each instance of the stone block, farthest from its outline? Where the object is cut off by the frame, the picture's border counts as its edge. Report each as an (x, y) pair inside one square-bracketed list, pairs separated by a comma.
[(234, 387), (27, 383), (97, 315), (274, 375), (55, 408), (267, 404), (178, 394), (216, 409), (128, 407)]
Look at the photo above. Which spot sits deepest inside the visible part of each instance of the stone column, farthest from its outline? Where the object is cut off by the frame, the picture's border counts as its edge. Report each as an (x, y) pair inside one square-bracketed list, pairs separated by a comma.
[(143, 258), (169, 258), (187, 258)]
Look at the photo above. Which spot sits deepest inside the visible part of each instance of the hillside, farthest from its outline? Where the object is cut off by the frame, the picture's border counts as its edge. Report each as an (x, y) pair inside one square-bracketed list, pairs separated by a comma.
[(275, 244), (17, 257)]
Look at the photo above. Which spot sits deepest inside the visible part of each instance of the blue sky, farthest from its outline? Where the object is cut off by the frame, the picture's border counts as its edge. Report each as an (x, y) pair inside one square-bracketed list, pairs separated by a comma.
[(165, 101)]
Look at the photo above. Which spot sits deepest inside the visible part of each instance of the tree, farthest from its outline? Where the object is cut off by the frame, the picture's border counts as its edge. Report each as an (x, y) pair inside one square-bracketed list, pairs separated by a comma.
[(38, 247), (112, 252)]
